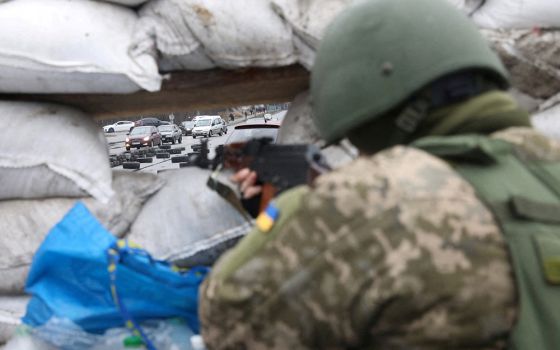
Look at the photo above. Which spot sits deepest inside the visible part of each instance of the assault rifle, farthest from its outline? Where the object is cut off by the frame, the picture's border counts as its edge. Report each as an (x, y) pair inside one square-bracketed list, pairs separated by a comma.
[(278, 167)]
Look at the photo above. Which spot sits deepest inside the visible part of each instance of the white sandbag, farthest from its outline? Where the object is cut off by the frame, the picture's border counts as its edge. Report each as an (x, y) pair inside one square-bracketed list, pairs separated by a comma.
[(298, 127), (554, 101), (467, 6), (130, 3), (532, 58), (511, 13), (232, 34), (547, 120), (50, 46), (518, 14), (25, 223), (12, 309), (308, 19), (186, 219), (178, 49), (50, 150)]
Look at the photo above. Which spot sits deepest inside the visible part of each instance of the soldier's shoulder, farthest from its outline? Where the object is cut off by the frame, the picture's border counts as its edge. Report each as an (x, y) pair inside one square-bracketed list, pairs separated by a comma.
[(394, 174), (530, 143)]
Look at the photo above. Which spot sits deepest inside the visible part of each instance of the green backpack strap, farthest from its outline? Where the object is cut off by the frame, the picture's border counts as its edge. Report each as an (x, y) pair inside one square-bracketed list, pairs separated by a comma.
[(524, 197)]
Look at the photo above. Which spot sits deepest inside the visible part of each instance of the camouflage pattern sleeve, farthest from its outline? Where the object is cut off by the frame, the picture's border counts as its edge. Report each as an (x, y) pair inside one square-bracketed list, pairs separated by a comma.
[(530, 144), (391, 252)]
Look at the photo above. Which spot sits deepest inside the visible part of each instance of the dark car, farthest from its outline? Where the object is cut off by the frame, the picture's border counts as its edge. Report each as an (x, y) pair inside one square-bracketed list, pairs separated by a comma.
[(245, 132), (170, 133), (149, 122), (188, 126), (142, 136)]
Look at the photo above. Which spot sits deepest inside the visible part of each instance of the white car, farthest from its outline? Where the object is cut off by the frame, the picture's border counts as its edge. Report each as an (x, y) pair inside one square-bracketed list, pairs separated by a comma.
[(123, 125), (208, 126)]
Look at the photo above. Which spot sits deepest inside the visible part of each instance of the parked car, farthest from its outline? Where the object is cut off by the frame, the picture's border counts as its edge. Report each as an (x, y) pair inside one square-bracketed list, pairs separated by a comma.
[(245, 132), (188, 126), (123, 125), (208, 126), (149, 122), (170, 133), (142, 136)]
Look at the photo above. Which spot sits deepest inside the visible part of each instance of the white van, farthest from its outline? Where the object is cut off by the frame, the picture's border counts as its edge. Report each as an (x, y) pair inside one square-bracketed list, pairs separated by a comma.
[(208, 126)]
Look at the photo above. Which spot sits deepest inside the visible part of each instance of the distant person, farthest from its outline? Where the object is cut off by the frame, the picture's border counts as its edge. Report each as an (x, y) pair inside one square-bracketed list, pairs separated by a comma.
[(231, 117)]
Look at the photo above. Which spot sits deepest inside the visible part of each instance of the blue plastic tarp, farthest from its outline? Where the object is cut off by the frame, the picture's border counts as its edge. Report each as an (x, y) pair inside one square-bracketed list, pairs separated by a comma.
[(69, 279)]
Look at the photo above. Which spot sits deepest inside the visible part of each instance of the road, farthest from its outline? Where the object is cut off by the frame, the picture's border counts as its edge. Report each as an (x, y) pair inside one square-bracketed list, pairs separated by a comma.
[(116, 146)]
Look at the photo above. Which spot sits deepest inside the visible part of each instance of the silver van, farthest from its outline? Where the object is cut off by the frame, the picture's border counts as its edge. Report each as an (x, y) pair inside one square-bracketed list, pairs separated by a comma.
[(208, 126)]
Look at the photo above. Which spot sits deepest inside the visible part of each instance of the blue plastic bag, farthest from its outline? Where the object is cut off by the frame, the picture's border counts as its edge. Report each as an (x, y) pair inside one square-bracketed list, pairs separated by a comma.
[(70, 279)]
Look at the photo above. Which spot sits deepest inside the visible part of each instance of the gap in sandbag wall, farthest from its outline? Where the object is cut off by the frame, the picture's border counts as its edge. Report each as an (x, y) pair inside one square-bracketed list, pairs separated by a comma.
[(161, 142)]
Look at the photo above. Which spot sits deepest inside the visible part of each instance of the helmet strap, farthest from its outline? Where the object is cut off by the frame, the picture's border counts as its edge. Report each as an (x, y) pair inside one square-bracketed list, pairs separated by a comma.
[(445, 91), (410, 117)]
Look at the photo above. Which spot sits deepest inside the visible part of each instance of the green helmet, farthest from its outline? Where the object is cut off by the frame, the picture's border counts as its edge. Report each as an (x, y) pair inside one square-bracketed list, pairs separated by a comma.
[(378, 53)]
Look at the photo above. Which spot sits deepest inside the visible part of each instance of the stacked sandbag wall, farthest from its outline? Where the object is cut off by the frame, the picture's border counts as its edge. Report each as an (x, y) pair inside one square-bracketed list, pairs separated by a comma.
[(51, 157), (72, 46), (203, 34)]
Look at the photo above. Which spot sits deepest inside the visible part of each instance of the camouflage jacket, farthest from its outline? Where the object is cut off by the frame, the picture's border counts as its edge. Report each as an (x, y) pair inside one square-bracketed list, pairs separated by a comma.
[(393, 251)]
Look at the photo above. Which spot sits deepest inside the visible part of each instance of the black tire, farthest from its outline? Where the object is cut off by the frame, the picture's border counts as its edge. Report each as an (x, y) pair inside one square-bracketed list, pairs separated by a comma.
[(145, 160), (180, 139), (127, 148), (221, 133), (172, 141), (175, 151), (162, 155), (111, 130), (131, 165), (129, 130), (165, 146), (194, 137), (179, 159)]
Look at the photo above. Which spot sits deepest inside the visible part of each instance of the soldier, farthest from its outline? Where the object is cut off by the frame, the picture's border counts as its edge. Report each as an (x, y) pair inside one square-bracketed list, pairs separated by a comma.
[(446, 223)]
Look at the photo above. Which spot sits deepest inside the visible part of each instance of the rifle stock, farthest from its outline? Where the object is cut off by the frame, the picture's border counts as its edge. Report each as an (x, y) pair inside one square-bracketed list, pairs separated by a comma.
[(268, 192)]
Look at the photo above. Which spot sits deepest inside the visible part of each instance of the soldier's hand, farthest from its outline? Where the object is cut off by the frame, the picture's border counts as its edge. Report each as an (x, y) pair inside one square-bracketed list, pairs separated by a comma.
[(246, 180)]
